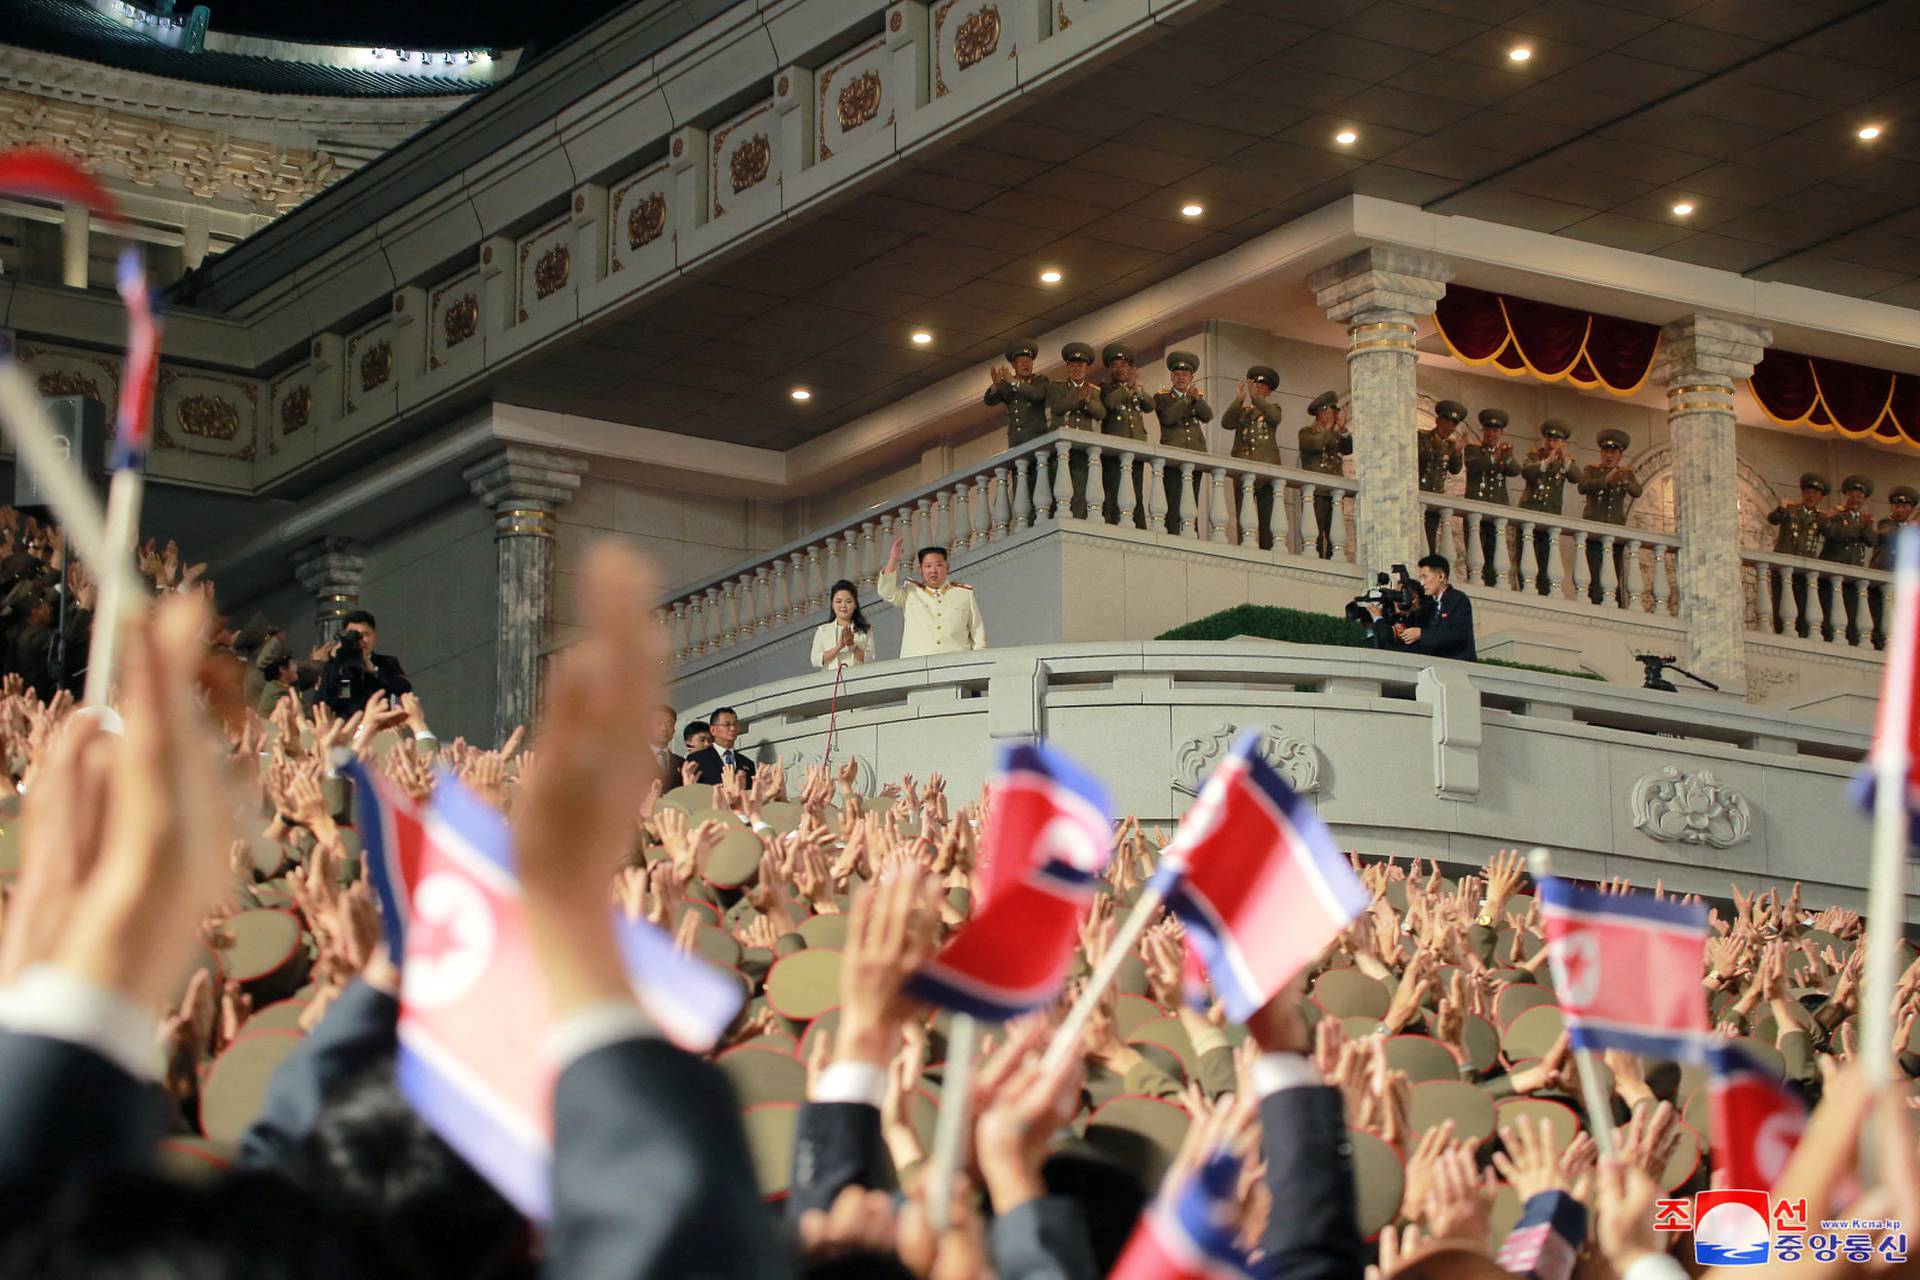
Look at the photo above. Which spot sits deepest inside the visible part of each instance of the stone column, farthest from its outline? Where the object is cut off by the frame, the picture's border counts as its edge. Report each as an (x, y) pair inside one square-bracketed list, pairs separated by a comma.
[(196, 236), (76, 224), (331, 568), (1379, 294), (1701, 359), (524, 486)]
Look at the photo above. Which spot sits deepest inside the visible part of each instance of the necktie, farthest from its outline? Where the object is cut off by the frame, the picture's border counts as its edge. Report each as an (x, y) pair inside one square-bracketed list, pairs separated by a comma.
[(729, 759)]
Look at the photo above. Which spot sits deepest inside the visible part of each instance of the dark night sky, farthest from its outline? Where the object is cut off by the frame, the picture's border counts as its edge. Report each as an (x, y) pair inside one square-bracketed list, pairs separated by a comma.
[(400, 23)]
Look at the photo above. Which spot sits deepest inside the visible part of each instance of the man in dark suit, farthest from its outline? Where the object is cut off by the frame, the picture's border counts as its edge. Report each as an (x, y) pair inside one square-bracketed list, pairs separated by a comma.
[(660, 738), (724, 724), (1444, 626), (354, 672)]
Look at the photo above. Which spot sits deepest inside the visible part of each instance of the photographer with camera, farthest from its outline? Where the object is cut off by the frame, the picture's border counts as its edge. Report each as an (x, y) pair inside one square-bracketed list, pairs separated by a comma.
[(1437, 620), (354, 672)]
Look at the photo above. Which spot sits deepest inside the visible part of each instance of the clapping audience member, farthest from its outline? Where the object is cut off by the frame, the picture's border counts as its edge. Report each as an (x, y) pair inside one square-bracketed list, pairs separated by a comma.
[(711, 762), (846, 636)]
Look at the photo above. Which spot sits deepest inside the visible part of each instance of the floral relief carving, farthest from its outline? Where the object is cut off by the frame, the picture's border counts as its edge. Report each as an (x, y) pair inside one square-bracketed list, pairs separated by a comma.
[(296, 409), (1296, 760), (647, 221), (894, 20), (550, 273), (376, 366), (749, 163), (461, 320), (978, 36), (67, 382), (1676, 807), (859, 100), (208, 417), (1064, 21)]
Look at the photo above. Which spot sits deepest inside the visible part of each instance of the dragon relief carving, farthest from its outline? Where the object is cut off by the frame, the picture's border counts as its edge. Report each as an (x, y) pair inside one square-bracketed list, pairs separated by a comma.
[(647, 221), (1296, 759), (208, 417), (1676, 807)]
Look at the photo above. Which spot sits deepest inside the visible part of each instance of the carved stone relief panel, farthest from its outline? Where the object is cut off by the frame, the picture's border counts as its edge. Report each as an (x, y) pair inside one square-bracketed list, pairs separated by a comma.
[(289, 406), (746, 159), (639, 215), (369, 361), (1296, 759), (543, 266), (205, 413), (1675, 806), (453, 316), (967, 34), (59, 372), (856, 97)]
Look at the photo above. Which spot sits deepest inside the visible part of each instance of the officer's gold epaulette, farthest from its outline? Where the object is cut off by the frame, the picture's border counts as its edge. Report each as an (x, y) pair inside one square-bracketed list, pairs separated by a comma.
[(963, 586)]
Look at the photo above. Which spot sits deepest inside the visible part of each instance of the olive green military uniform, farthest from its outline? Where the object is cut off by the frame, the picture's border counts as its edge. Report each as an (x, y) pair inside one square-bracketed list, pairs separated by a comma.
[(1183, 415), (1253, 420), (1901, 500), (1324, 450), (1799, 535), (1488, 468), (1545, 474), (1025, 399), (1846, 536), (1440, 457), (1076, 406), (1127, 406), (1609, 492)]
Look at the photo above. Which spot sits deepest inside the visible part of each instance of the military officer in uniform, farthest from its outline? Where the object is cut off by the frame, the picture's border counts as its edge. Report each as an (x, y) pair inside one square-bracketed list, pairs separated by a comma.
[(1127, 404), (1183, 411), (1440, 457), (1488, 464), (1022, 391), (1254, 417), (1901, 500), (1545, 473), (1074, 404), (938, 614), (1324, 445), (1610, 489), (1799, 535), (1846, 535)]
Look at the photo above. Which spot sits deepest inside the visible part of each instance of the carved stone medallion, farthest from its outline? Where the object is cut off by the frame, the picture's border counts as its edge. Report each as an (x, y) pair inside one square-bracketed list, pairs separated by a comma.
[(208, 417), (749, 163), (647, 220), (977, 37), (461, 320), (296, 407), (1296, 759), (859, 100), (376, 366), (550, 273), (1676, 807)]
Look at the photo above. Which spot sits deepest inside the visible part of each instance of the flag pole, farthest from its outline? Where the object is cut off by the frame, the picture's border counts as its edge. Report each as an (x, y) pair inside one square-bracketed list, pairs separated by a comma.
[(950, 1128), (1599, 1102), (116, 597), (1066, 1040), (1892, 766)]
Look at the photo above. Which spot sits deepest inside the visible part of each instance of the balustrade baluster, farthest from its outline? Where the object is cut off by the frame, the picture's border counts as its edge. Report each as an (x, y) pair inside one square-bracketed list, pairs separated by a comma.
[(1282, 519), (1340, 546), (1789, 593), (777, 592), (1523, 551), (1502, 555), (1446, 540), (1189, 502), (869, 553), (1022, 493), (797, 584), (979, 509), (1827, 601), (1157, 496), (1249, 514), (1002, 503), (728, 615), (961, 518), (1217, 506), (1128, 497), (763, 619), (677, 631), (1582, 579), (924, 522), (1097, 464), (1062, 481), (1549, 556), (1762, 599), (1609, 576), (1634, 578), (829, 564), (1472, 556)]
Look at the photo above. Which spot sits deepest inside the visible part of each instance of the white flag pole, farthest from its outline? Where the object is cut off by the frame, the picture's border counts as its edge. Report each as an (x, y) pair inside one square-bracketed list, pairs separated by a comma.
[(1598, 1099), (1892, 766), (1066, 1040), (950, 1126)]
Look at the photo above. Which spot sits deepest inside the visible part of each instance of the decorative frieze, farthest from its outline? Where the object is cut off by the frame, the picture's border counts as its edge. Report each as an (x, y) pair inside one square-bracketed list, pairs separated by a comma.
[(744, 159), (639, 214), (1677, 807), (205, 413), (544, 265), (1295, 759), (369, 361), (853, 97), (966, 34)]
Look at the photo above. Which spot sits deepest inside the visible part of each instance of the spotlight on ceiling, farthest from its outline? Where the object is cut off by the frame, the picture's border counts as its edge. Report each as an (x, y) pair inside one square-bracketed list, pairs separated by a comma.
[(921, 337), (801, 393), (1050, 276), (1682, 209), (1519, 53), (1346, 137), (1192, 210), (1867, 133)]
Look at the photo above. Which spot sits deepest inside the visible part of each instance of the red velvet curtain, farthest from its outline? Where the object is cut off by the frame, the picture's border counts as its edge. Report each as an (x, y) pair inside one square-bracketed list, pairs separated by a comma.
[(1551, 342), (1799, 390), (1473, 323)]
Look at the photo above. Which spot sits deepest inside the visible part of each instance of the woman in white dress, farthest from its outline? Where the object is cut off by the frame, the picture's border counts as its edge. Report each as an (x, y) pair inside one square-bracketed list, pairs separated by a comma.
[(847, 637)]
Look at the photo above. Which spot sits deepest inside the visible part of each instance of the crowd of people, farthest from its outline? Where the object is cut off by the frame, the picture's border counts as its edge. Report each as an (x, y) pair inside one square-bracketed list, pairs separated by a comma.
[(1846, 534), (1401, 1104)]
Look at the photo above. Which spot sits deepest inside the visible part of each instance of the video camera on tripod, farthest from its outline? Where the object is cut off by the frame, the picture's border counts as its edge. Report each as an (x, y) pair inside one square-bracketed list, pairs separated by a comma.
[(1396, 596), (1657, 665)]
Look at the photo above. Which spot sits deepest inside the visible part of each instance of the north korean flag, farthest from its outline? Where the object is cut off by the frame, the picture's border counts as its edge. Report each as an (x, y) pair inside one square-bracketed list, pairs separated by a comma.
[(1627, 970), (1257, 880), (1757, 1122), (1191, 1237), (1047, 845)]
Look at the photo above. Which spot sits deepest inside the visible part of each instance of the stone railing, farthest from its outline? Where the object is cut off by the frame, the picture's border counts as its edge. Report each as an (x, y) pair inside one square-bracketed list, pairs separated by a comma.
[(1059, 479), (1819, 601), (1397, 752), (1564, 558)]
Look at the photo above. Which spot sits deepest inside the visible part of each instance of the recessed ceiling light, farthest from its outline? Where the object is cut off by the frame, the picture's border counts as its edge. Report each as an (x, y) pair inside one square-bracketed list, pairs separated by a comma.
[(1192, 210), (1868, 133), (921, 337), (801, 393), (1050, 276), (1682, 209), (1519, 53), (1346, 137)]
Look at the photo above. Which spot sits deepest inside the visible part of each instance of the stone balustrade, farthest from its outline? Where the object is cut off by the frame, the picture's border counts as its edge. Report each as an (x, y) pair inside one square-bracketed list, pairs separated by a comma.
[(1818, 601), (1565, 558)]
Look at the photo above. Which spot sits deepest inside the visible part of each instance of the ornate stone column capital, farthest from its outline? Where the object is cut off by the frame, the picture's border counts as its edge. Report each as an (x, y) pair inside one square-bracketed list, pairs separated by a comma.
[(1708, 352), (524, 486), (331, 570), (1380, 284)]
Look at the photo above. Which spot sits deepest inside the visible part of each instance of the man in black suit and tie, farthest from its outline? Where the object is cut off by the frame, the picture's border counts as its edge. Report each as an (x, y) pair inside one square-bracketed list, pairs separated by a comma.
[(725, 725), (1444, 626), (660, 739)]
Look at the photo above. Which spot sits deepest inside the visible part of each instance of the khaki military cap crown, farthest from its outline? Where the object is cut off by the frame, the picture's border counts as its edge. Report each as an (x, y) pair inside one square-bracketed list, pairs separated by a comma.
[(1178, 360), (1451, 410), (1022, 347), (1814, 480), (1554, 429), (1325, 400), (1117, 351), (1614, 438), (1863, 483), (1493, 418), (1265, 374), (1903, 493), (1076, 351)]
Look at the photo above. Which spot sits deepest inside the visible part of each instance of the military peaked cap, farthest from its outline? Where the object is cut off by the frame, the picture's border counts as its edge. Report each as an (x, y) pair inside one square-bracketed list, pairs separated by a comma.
[(1492, 418), (1614, 438), (1451, 410), (1022, 347), (1325, 400), (1117, 351), (1863, 483), (1264, 374), (1554, 429), (1178, 360), (1814, 480), (1076, 351)]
